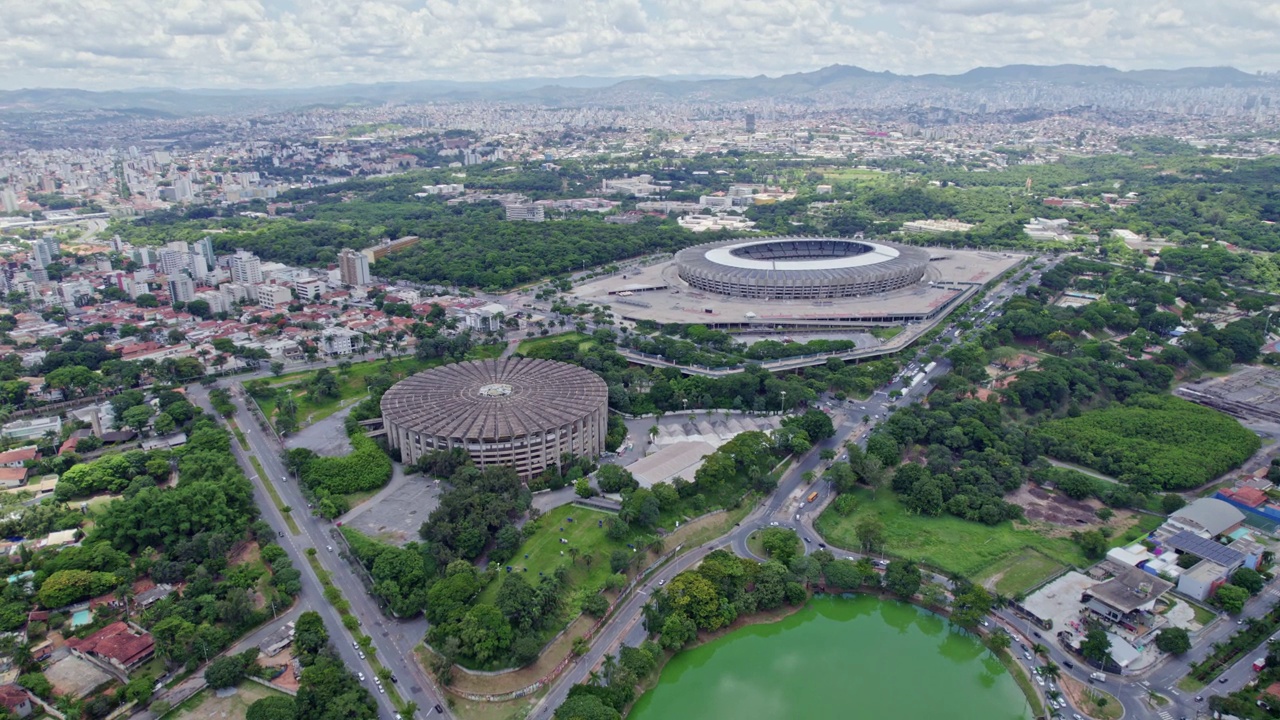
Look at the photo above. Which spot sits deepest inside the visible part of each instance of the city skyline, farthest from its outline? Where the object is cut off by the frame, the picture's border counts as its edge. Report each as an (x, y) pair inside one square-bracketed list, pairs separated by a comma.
[(301, 43)]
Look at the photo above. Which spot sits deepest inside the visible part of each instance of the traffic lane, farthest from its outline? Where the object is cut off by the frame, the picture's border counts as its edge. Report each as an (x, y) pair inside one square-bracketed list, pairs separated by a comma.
[(315, 536)]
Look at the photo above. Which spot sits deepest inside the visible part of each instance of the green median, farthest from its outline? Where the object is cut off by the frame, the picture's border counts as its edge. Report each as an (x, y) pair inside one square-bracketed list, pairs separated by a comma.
[(285, 510)]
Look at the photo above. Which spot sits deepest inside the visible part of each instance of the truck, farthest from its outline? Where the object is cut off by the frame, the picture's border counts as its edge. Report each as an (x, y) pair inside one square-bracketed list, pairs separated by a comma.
[(1100, 677), (1259, 664), (929, 368), (812, 496)]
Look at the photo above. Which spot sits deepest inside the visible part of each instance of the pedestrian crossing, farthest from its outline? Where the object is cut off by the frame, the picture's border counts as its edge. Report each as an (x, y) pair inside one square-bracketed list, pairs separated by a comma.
[(1164, 715), (1273, 590)]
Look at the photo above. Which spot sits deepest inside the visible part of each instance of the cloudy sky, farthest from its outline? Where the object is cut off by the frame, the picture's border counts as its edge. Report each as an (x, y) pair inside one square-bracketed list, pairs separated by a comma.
[(113, 44)]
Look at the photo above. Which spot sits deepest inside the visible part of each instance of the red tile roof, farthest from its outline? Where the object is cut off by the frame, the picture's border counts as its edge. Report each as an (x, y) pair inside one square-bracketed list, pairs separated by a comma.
[(116, 641), (13, 696), (1250, 497), (20, 455)]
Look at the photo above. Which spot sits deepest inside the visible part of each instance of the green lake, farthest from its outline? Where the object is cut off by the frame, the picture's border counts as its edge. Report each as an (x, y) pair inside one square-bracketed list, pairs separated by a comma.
[(857, 657)]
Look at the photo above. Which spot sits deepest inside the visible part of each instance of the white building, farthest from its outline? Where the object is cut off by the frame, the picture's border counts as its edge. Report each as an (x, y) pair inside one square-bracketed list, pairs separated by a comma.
[(487, 318), (246, 268), (529, 212), (181, 288), (935, 226), (270, 296), (309, 289), (341, 341)]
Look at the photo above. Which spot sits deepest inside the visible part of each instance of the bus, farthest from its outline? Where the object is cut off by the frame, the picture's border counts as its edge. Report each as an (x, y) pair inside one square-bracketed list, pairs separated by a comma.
[(812, 496)]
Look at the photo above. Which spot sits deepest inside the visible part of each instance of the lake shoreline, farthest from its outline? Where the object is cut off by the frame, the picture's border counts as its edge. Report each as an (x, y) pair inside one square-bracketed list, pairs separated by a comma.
[(1015, 689)]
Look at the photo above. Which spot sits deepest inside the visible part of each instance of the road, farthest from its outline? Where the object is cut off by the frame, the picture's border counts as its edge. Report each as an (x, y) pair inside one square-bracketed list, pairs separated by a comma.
[(393, 640), (784, 507)]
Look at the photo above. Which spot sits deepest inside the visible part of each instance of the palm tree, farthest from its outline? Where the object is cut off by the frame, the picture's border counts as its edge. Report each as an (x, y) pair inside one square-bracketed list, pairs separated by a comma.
[(609, 666), (1050, 670), (574, 553), (409, 709), (1039, 649)]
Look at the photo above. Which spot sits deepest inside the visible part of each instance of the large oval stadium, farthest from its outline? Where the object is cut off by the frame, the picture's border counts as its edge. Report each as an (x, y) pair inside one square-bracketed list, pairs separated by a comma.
[(520, 412), (796, 268)]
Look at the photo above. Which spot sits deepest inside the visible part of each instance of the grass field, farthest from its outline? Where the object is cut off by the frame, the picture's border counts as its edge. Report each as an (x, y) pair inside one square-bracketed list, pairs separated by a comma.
[(205, 705), (1019, 573), (947, 543), (584, 341), (352, 387), (544, 550), (887, 333)]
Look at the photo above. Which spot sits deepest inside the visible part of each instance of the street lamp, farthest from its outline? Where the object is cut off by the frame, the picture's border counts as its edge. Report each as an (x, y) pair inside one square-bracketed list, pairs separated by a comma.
[(782, 406)]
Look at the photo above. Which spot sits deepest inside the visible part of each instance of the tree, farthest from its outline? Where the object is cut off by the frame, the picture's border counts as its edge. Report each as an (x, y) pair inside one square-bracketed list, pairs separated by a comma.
[(999, 640), (277, 368), (1093, 543), (782, 544), (485, 632), (1231, 598), (582, 488), (225, 671), (870, 532), (1171, 503), (902, 578), (278, 707), (164, 424), (1249, 580), (1174, 640), (138, 416), (1096, 646)]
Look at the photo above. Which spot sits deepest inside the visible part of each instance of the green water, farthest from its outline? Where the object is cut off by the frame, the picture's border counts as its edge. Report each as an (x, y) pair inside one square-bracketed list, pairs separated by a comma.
[(855, 658)]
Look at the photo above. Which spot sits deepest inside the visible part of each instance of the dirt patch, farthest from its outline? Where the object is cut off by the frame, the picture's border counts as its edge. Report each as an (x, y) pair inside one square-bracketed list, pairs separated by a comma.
[(1058, 510), (286, 679), (246, 553), (75, 677), (1078, 694)]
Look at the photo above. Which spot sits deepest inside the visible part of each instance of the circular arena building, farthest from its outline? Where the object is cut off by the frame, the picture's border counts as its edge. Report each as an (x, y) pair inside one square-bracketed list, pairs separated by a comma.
[(520, 412), (801, 268)]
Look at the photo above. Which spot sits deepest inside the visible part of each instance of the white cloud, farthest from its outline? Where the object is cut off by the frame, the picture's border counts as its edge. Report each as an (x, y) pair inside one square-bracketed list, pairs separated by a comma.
[(101, 44)]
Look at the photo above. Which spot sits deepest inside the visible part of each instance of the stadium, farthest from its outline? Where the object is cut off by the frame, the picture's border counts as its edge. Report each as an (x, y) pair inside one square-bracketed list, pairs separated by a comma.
[(799, 268), (521, 412)]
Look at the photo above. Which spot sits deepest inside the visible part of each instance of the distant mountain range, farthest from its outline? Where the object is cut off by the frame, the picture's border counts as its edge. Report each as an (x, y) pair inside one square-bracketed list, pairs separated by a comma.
[(829, 82)]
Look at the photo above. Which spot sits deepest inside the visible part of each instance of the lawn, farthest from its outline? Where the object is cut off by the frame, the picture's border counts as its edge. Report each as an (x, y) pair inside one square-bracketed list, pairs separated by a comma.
[(352, 387), (206, 705), (887, 333), (1019, 573), (546, 552), (947, 543), (528, 346)]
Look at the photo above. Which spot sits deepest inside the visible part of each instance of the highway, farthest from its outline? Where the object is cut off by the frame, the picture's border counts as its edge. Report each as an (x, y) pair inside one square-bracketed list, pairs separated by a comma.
[(784, 507), (393, 640)]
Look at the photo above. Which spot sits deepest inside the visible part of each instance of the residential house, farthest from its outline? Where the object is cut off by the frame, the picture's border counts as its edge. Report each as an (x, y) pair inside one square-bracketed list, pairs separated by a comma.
[(117, 644)]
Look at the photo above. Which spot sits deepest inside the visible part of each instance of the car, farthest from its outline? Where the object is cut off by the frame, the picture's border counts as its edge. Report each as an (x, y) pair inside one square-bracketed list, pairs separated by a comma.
[(807, 540), (1222, 679), (355, 644), (382, 690), (985, 622), (361, 676), (662, 581), (822, 546), (1027, 655), (395, 679), (1040, 680), (1068, 664), (330, 548), (1033, 632), (360, 653), (774, 523), (798, 514), (1076, 716), (1199, 698), (438, 709)]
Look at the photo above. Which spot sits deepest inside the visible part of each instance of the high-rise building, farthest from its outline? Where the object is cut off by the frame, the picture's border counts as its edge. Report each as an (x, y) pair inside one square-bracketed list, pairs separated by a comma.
[(173, 261), (53, 244), (353, 267), (9, 200), (40, 255), (246, 268), (204, 246), (181, 288), (182, 191), (751, 122)]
